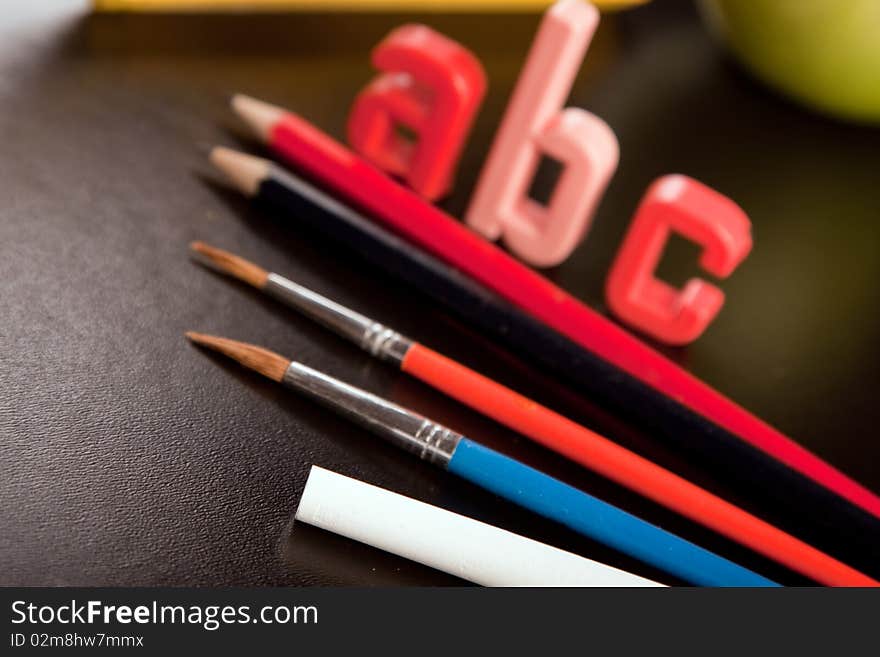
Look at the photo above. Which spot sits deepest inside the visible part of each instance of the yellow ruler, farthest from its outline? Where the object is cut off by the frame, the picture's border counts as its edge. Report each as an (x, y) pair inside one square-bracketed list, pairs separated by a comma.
[(346, 5)]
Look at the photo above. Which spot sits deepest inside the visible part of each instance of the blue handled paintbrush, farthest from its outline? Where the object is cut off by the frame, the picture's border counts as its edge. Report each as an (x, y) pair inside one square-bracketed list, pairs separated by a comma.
[(493, 471)]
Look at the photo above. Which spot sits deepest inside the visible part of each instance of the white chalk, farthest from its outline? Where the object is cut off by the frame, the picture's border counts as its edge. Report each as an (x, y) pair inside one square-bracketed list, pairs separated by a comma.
[(444, 540)]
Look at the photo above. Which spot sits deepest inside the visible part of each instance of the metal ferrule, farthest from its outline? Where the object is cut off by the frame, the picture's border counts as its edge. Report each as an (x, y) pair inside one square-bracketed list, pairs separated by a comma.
[(416, 434), (371, 336)]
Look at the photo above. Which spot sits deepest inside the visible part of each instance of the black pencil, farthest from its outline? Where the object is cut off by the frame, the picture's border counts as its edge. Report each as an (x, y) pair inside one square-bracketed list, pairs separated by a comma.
[(782, 495)]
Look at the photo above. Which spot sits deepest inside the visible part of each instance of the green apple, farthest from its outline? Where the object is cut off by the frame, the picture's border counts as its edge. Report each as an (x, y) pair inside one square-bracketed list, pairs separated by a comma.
[(825, 53)]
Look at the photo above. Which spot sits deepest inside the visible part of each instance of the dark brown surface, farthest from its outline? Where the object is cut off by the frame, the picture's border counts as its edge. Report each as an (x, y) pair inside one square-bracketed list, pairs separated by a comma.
[(130, 457)]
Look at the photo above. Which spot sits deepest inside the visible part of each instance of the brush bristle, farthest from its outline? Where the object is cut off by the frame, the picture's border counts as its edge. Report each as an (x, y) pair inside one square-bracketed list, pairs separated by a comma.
[(266, 362), (228, 263)]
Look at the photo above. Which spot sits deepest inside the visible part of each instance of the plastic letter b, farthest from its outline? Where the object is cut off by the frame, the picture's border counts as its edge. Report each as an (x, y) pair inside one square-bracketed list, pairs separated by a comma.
[(534, 124)]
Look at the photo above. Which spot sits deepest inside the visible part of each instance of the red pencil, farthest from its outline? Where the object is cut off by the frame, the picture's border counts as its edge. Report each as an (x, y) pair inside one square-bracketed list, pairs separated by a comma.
[(312, 150)]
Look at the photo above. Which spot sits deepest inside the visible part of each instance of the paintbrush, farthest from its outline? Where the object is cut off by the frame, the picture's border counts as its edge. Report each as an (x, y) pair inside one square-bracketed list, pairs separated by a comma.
[(497, 473)]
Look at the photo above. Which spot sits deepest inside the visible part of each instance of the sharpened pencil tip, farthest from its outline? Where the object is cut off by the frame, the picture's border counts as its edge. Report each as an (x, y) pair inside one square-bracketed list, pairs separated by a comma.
[(259, 115), (229, 264), (245, 171), (267, 363)]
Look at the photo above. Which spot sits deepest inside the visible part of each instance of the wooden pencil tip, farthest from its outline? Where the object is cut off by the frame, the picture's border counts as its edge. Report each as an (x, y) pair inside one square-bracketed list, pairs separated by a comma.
[(260, 116), (229, 264), (245, 171), (266, 362)]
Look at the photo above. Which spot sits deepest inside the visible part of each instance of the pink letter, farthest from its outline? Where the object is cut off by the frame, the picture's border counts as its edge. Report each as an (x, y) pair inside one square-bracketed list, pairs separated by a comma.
[(535, 123), (700, 214)]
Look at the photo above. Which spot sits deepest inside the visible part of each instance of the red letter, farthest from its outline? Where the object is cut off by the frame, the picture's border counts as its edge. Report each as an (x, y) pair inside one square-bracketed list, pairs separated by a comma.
[(430, 86), (703, 216)]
